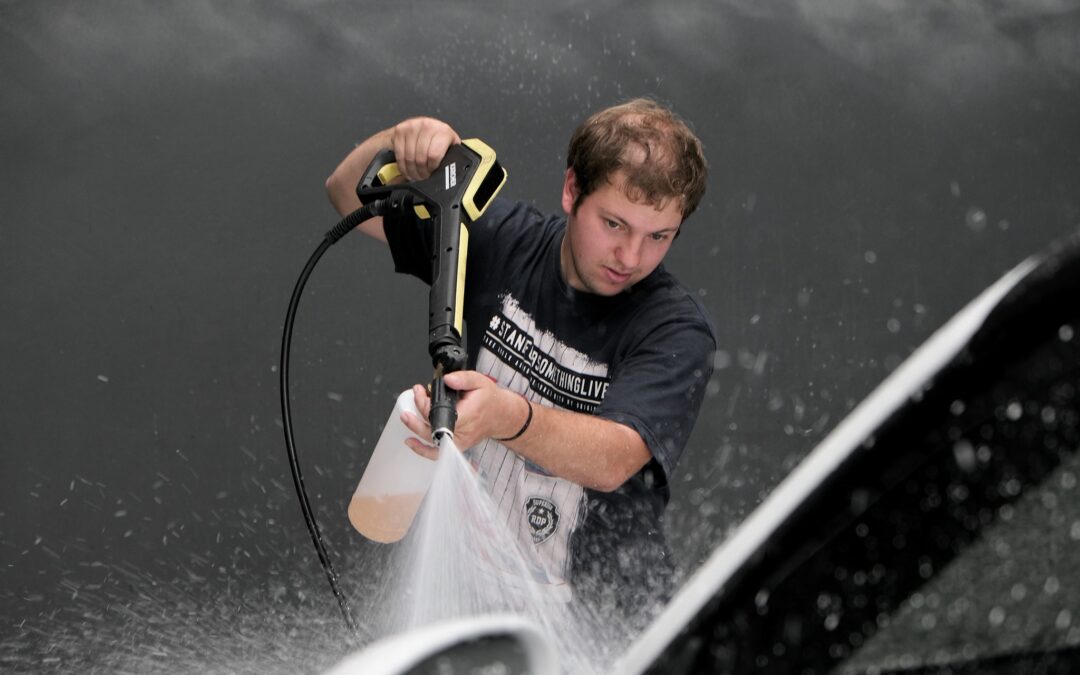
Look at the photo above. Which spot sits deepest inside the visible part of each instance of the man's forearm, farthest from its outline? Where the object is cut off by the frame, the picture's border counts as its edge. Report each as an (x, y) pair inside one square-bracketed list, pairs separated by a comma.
[(590, 451)]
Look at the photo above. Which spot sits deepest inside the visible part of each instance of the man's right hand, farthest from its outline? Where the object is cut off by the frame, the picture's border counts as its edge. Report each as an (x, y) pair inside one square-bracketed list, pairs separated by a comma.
[(419, 145)]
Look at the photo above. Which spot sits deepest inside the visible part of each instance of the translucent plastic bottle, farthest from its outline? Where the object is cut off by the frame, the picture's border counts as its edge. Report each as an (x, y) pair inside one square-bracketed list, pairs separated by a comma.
[(394, 482)]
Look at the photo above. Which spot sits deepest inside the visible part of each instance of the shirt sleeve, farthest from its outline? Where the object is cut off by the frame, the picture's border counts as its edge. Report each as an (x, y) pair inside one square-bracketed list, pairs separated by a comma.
[(658, 387), (410, 240)]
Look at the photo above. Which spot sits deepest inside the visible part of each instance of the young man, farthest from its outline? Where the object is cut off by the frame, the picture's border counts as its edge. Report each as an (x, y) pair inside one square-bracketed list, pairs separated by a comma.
[(588, 360)]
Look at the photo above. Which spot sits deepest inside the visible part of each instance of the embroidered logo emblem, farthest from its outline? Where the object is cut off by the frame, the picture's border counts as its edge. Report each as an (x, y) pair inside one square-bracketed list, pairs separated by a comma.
[(542, 517)]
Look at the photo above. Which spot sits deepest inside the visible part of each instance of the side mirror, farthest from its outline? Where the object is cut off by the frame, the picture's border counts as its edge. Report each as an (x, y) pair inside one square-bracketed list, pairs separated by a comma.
[(474, 645)]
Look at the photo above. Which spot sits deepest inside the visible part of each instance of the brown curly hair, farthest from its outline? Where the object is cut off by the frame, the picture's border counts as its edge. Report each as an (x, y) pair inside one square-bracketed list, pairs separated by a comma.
[(660, 156)]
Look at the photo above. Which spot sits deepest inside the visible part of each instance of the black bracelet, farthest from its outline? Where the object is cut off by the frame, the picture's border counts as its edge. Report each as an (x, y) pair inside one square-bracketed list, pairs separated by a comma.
[(528, 421)]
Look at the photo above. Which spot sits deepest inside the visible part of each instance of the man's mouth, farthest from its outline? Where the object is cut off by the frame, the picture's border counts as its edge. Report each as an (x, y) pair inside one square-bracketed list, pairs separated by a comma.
[(615, 276)]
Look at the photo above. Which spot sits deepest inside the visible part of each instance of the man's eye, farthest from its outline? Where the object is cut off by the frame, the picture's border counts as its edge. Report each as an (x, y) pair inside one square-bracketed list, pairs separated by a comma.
[(659, 236), (612, 224)]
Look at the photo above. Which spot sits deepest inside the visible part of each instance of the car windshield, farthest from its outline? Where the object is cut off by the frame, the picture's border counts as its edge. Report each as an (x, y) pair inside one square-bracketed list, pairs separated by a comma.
[(1010, 593)]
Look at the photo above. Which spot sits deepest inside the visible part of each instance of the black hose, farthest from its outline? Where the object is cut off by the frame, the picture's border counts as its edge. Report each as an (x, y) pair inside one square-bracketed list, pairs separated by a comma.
[(346, 225)]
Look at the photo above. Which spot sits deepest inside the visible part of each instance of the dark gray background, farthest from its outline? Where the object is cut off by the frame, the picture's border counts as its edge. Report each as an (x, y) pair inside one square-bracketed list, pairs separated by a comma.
[(874, 165)]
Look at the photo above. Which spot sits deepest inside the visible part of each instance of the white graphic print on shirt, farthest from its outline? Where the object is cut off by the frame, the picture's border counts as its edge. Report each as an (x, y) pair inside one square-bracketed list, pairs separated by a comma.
[(541, 511)]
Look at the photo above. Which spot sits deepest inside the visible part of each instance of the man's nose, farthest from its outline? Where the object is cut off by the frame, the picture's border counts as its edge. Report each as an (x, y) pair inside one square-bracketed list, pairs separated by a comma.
[(628, 254)]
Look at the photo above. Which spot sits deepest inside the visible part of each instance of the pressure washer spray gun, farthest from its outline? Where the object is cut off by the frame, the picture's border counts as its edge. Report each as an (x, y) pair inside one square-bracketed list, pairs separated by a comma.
[(452, 198)]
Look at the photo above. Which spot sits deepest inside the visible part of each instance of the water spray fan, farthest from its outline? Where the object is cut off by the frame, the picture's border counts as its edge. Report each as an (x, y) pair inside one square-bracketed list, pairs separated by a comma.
[(451, 199)]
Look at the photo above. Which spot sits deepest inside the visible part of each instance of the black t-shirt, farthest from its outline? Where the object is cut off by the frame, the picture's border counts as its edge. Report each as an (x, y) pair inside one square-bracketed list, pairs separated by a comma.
[(641, 358)]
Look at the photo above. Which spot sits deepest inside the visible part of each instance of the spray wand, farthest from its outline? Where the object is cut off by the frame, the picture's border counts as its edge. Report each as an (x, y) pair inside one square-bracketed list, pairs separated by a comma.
[(452, 198)]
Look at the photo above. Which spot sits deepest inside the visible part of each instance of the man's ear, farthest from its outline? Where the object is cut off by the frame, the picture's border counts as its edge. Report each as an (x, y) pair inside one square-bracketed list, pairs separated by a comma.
[(569, 191)]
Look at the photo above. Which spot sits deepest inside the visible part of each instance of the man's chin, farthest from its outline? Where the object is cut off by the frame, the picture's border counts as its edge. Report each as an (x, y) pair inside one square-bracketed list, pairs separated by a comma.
[(608, 288)]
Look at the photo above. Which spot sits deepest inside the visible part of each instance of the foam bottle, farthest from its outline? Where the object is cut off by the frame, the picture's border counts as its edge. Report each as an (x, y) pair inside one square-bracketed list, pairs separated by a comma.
[(394, 482)]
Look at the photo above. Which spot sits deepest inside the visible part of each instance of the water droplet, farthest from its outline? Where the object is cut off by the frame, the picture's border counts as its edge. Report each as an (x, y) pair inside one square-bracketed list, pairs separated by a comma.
[(1064, 619), (762, 598), (893, 325), (721, 359), (832, 621), (823, 600), (976, 219), (1051, 586), (997, 616), (1048, 415), (870, 257), (1014, 410), (1018, 592), (959, 493), (926, 570), (964, 452), (1065, 333), (1005, 512)]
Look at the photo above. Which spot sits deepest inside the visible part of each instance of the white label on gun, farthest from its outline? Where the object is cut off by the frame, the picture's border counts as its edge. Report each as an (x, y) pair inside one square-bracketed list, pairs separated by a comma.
[(451, 175)]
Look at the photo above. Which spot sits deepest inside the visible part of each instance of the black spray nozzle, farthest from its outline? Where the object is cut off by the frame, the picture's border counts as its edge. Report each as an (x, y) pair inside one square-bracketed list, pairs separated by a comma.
[(447, 354), (443, 415)]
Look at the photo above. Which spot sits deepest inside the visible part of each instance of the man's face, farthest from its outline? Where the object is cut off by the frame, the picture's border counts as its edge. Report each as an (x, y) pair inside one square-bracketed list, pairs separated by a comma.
[(611, 242)]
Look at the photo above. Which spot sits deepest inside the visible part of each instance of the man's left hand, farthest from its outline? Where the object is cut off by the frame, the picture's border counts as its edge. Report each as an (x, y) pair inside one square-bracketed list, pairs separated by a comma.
[(484, 410)]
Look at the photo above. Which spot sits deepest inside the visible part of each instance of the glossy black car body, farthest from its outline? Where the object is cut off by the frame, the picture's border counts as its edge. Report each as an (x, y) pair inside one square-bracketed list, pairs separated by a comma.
[(947, 541)]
